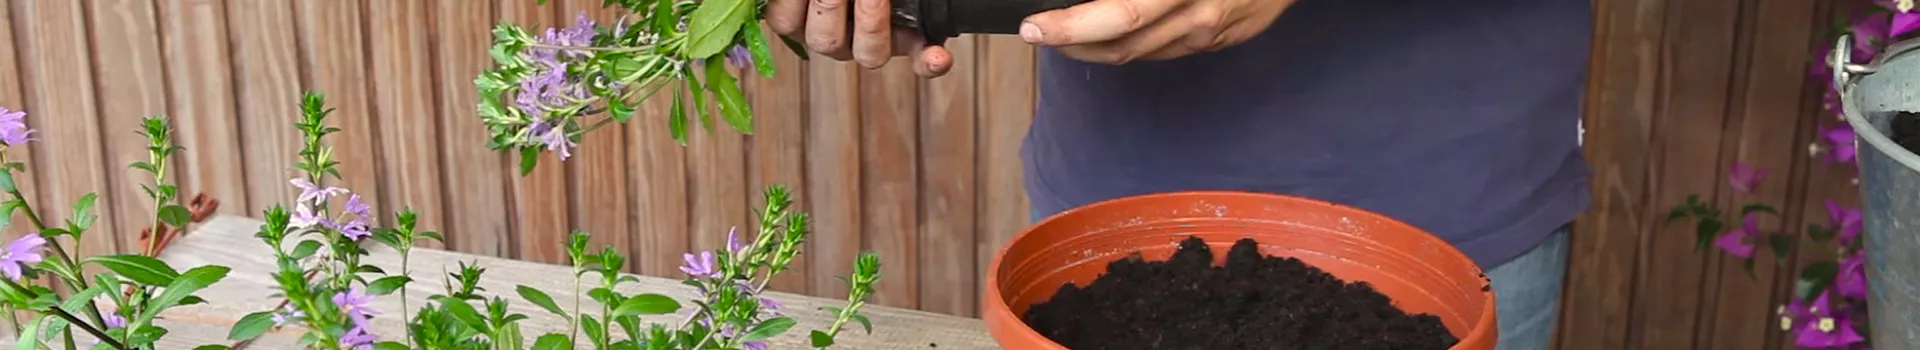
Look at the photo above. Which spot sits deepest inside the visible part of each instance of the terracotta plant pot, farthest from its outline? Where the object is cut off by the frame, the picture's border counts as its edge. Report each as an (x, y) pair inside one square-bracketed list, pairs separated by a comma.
[(1421, 272)]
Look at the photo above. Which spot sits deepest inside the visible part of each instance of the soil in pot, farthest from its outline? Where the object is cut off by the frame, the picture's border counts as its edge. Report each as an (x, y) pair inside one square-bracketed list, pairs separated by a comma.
[(1906, 131), (1253, 302)]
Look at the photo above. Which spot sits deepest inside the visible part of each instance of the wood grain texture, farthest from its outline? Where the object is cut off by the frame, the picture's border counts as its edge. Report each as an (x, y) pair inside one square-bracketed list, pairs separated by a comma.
[(716, 179), (267, 82), (402, 86), (543, 215), (131, 85), (777, 148), (59, 86), (833, 172), (13, 99), (332, 34), (599, 193), (889, 177), (201, 100), (1006, 71), (947, 159), (475, 179)]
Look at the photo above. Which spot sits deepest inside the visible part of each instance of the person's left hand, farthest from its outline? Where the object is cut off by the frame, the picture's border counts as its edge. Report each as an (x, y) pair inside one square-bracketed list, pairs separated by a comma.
[(1119, 31)]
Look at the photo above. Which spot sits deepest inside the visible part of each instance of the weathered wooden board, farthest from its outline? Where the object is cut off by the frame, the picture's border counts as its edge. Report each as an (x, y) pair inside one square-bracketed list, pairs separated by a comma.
[(228, 241)]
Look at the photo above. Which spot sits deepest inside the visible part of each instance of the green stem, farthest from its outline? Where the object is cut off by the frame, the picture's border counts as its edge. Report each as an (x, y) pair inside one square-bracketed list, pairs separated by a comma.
[(405, 313), (93, 309), (62, 313)]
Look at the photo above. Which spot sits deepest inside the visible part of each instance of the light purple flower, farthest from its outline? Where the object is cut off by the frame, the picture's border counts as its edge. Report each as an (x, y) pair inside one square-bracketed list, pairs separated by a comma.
[(1740, 241), (557, 141), (1745, 178), (286, 314), (113, 320), (355, 229), (358, 207), (1846, 222), (734, 245), (739, 56), (13, 127), (358, 338), (22, 251), (770, 306), (754, 345), (1851, 281), (304, 217), (1828, 328), (356, 303), (700, 265), (311, 193)]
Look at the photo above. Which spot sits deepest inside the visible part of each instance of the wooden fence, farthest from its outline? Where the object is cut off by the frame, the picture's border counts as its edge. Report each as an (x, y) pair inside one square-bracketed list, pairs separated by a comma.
[(923, 171)]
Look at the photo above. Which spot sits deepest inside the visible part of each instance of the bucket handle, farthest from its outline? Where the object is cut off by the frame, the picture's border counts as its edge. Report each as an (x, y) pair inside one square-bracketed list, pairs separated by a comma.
[(1841, 62)]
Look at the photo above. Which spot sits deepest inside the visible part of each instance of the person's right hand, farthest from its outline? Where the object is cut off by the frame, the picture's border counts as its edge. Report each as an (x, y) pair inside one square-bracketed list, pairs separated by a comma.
[(823, 25)]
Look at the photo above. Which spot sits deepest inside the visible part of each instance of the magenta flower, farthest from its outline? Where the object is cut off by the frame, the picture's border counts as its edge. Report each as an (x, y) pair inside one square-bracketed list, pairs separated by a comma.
[(1740, 241), (1851, 281), (1841, 140), (358, 338), (1828, 328), (700, 265), (114, 320), (21, 252), (1903, 22), (1793, 314), (1745, 178), (13, 127), (356, 303), (311, 193), (1846, 222)]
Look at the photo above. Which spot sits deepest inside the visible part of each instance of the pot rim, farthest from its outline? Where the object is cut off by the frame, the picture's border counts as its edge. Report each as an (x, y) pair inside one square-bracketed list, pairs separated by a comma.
[(1849, 76), (998, 307)]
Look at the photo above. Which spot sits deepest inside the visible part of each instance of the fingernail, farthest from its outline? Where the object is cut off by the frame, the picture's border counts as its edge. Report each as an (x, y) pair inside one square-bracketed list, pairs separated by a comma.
[(1030, 33)]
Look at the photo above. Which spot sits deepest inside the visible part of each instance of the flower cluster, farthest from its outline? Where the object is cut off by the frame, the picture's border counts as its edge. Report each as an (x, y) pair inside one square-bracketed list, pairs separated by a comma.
[(136, 288)]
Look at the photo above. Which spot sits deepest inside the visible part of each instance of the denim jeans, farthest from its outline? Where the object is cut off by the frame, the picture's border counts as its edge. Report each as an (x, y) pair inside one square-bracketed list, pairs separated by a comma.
[(1527, 289)]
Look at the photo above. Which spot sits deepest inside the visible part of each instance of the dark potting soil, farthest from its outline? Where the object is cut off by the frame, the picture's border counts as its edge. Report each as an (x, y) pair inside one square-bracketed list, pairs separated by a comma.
[(1254, 302), (1906, 131)]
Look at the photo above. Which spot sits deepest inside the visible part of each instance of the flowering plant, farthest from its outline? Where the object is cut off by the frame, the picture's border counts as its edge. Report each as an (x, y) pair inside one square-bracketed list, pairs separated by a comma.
[(329, 292), (1829, 304), (116, 308)]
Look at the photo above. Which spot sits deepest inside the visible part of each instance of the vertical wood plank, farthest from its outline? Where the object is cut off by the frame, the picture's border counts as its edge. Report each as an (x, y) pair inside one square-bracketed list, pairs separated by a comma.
[(1770, 119), (777, 155), (947, 250), (267, 84), (889, 178), (59, 86), (1006, 102), (833, 173), (336, 65), (13, 98), (474, 181), (540, 206), (599, 193), (409, 130), (716, 173), (1701, 42), (660, 190), (126, 56), (201, 100)]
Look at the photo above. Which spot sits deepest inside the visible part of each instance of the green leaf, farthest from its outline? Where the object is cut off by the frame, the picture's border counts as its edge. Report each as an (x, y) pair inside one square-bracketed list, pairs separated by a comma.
[(713, 25), (865, 324), (726, 92), (6, 181), (1819, 276), (1758, 208), (250, 326), (83, 213), (1680, 212), (464, 312), (147, 334), (541, 299), (304, 249), (392, 345), (647, 304), (6, 211), (387, 284), (821, 339), (768, 329), (796, 48), (213, 347), (1781, 244), (1704, 231), (175, 215), (529, 156), (677, 118), (695, 88), (139, 268), (595, 331), (553, 341), (1820, 233), (191, 281), (757, 44), (30, 337)]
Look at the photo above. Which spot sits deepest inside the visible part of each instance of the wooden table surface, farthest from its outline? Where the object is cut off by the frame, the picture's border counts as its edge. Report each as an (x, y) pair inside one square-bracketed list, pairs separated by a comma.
[(229, 241)]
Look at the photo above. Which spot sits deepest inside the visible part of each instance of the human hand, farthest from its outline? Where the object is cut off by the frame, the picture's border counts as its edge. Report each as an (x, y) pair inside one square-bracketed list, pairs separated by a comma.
[(824, 26), (1120, 31)]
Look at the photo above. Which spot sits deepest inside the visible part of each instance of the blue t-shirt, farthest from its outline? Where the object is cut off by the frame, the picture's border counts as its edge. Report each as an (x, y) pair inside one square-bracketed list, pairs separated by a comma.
[(1458, 116)]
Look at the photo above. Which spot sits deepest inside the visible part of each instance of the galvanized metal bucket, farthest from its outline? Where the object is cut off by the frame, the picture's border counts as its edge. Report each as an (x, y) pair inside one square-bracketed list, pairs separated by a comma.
[(1871, 94)]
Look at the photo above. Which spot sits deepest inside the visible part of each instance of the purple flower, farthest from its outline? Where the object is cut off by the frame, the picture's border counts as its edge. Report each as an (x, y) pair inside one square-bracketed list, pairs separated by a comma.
[(22, 251), (699, 265), (1740, 241), (13, 127), (734, 245), (1846, 222), (358, 338), (358, 207), (354, 229), (1745, 178), (1828, 328), (754, 345), (738, 56), (557, 141), (114, 320), (1851, 281), (286, 314), (311, 193), (356, 303), (304, 216), (1841, 139), (770, 306)]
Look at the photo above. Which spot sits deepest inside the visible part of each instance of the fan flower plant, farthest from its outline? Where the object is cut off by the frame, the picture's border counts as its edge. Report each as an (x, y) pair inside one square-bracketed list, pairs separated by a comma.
[(546, 91)]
